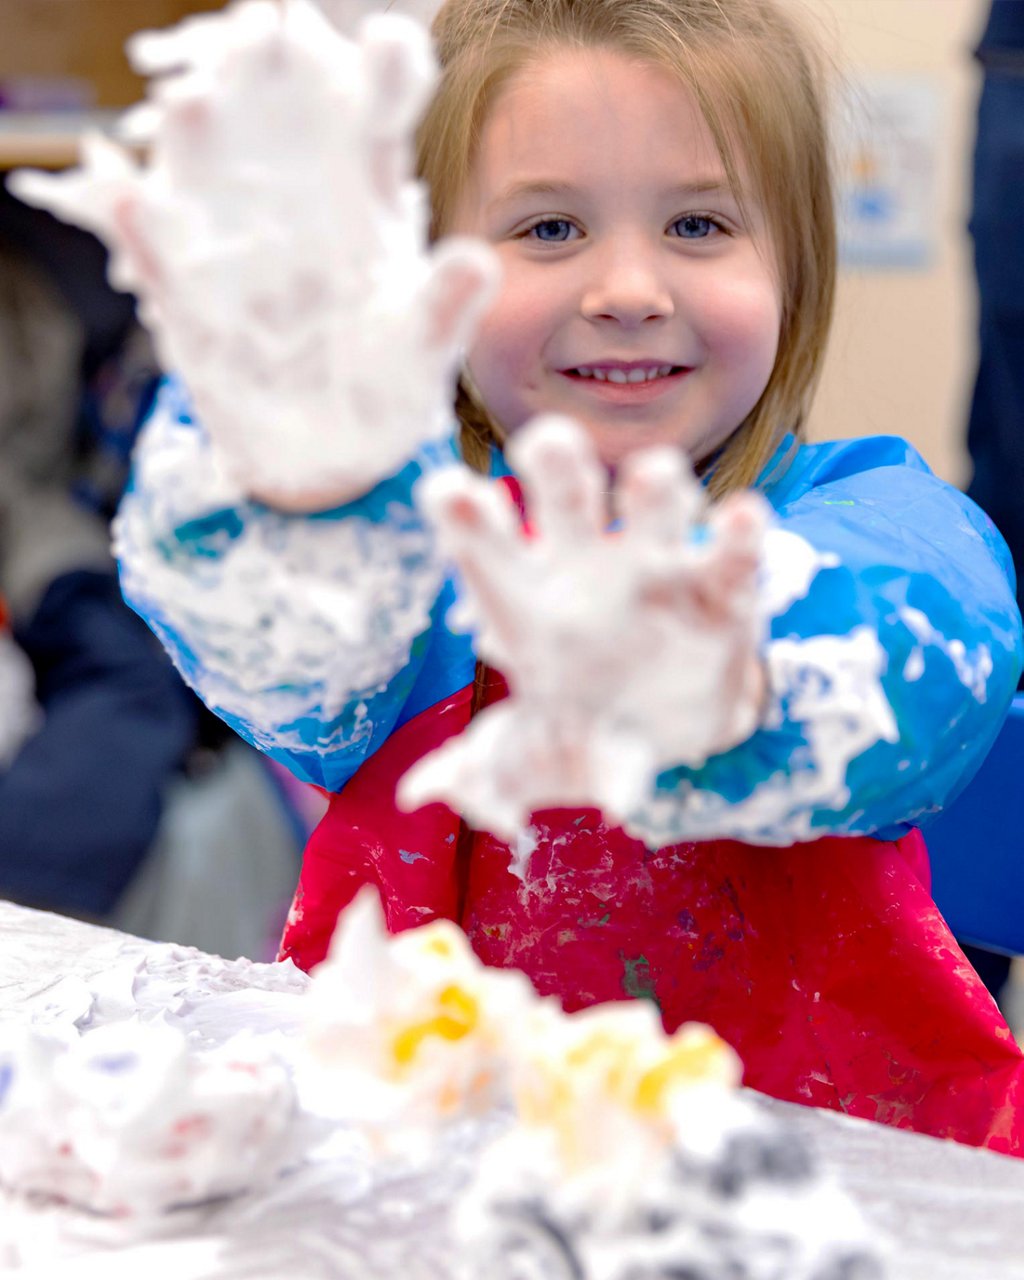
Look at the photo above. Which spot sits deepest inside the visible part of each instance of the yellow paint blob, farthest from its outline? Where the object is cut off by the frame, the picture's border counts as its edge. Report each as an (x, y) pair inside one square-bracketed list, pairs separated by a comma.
[(689, 1058), (458, 1014)]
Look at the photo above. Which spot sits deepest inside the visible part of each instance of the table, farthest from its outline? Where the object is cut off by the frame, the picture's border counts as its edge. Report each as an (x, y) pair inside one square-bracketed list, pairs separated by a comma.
[(951, 1212)]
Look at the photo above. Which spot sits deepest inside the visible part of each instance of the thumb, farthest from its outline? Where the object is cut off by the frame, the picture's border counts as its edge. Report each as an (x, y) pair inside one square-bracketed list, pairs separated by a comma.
[(463, 280)]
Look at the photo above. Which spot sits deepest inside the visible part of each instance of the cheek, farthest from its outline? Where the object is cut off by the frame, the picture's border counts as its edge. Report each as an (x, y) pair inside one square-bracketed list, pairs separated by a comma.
[(505, 353), (516, 320), (491, 360), (744, 326), (745, 312)]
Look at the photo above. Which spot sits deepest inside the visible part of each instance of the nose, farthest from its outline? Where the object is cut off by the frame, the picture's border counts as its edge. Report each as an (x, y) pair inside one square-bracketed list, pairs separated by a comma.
[(627, 286)]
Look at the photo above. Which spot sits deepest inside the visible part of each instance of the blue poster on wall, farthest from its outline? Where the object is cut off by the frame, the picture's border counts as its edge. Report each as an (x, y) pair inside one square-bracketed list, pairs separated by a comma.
[(887, 145)]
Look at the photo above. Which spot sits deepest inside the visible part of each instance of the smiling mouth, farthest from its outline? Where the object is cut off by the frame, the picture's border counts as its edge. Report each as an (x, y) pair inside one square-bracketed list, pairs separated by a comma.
[(625, 377)]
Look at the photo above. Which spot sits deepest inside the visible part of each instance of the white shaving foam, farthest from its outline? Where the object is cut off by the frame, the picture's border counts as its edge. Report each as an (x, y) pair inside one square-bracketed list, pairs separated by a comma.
[(972, 669), (292, 618), (349, 15), (832, 688), (277, 242), (608, 686)]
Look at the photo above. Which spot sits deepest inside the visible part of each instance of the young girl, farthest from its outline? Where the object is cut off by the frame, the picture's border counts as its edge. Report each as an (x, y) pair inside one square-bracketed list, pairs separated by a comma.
[(653, 177)]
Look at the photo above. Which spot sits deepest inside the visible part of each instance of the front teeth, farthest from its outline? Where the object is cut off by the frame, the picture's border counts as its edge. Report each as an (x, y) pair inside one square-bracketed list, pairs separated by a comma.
[(620, 375)]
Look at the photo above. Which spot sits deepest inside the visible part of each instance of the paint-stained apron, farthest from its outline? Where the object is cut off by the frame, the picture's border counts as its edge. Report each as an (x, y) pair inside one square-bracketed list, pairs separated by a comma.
[(826, 965)]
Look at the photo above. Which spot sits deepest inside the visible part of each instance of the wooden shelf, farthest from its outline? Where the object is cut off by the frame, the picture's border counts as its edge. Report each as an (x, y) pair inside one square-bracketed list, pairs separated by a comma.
[(47, 141)]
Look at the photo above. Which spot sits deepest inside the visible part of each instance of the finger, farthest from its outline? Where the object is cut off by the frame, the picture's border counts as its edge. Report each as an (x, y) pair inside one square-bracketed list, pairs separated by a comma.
[(478, 527), (84, 195), (713, 581), (737, 526), (196, 40), (658, 496), (400, 73), (463, 280), (145, 271), (731, 559), (466, 507), (566, 486), (104, 196)]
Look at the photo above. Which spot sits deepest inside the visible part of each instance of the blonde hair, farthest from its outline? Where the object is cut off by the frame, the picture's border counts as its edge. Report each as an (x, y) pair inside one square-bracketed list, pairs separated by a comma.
[(759, 81)]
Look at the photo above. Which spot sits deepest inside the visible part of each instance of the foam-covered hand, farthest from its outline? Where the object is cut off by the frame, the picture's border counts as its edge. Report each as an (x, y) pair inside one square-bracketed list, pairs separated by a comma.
[(278, 244), (347, 15), (625, 651)]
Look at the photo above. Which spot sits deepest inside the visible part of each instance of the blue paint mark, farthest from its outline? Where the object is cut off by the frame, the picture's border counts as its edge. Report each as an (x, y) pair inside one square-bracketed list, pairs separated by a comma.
[(406, 856), (117, 1063), (450, 839), (6, 1076)]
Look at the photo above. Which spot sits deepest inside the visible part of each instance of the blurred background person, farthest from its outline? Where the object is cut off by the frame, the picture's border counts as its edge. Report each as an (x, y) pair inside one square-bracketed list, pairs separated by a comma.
[(81, 800), (122, 800), (995, 433)]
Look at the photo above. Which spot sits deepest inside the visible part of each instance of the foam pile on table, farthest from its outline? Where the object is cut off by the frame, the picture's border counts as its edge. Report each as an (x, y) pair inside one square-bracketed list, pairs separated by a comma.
[(586, 1144), (628, 1154), (128, 1119), (159, 1083), (635, 1157)]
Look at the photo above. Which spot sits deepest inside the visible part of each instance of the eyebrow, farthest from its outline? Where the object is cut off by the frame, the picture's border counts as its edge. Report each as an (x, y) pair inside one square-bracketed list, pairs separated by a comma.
[(520, 190)]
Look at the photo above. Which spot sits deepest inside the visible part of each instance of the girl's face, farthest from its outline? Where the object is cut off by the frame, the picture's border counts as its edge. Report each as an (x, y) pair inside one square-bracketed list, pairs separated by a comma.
[(636, 296)]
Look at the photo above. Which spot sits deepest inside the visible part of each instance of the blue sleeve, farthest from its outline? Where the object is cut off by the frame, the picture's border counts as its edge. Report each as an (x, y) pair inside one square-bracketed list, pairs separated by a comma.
[(312, 636), (906, 648)]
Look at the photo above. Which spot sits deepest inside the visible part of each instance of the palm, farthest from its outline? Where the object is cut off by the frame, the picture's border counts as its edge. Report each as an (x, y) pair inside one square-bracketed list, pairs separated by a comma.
[(625, 652), (278, 245)]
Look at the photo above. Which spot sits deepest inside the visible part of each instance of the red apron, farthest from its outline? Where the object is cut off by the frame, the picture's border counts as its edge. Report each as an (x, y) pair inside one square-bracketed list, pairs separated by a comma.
[(826, 965)]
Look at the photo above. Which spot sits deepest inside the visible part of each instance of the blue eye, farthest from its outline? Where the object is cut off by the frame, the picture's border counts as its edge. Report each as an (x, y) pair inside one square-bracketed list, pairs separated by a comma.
[(695, 226), (551, 230)]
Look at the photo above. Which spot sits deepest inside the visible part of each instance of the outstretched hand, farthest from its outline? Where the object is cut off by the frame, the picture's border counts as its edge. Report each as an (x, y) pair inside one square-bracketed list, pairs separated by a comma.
[(277, 243), (626, 651)]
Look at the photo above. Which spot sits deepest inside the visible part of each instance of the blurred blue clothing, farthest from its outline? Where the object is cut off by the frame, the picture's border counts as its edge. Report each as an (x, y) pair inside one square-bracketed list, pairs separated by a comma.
[(995, 432), (995, 435), (1004, 30)]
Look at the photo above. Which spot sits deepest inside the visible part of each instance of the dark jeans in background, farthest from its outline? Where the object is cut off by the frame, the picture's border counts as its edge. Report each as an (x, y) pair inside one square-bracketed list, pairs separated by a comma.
[(995, 436), (80, 804)]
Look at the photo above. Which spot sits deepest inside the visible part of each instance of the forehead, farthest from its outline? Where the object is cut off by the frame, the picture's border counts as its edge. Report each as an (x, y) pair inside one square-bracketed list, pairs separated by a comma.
[(585, 114)]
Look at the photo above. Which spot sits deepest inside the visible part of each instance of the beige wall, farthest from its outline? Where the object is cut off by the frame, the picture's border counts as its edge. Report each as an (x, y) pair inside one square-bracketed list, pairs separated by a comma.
[(903, 348)]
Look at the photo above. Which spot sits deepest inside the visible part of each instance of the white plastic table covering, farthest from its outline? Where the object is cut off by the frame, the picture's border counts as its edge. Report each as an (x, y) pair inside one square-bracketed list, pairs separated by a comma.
[(950, 1212)]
